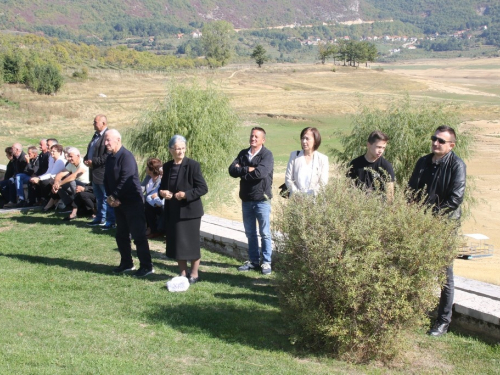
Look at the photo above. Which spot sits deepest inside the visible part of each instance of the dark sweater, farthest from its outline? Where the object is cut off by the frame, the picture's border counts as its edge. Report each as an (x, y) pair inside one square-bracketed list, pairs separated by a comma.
[(121, 179)]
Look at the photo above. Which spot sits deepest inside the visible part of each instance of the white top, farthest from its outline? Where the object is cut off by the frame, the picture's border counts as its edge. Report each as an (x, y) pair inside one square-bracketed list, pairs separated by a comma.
[(306, 178), (250, 155), (84, 177), (58, 166)]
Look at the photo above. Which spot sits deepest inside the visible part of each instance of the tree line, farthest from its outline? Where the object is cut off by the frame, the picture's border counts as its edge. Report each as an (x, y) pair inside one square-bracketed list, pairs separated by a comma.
[(351, 52)]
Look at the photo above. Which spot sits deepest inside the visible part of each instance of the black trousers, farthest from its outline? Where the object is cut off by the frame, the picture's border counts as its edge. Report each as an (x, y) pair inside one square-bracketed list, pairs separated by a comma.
[(130, 220), (152, 215), (85, 202), (445, 308)]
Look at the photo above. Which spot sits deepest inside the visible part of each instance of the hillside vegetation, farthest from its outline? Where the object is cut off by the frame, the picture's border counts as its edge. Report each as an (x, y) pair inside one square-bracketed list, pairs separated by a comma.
[(98, 21)]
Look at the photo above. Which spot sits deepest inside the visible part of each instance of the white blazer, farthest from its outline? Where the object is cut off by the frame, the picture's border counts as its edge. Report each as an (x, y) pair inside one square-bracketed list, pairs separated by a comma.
[(319, 176)]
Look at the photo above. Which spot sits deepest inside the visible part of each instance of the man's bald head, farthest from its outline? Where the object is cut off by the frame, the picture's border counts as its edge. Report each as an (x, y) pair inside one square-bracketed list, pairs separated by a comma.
[(113, 140), (17, 148), (100, 123)]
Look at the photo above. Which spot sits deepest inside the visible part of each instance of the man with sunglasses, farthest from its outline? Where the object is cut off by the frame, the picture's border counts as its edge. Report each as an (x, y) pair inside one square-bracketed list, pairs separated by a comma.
[(440, 178)]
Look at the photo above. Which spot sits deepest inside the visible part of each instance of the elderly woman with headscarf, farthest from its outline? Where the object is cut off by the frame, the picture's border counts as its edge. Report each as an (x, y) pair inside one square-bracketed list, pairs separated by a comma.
[(182, 186)]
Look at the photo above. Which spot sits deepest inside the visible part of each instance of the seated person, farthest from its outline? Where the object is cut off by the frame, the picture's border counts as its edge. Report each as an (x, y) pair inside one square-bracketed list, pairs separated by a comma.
[(85, 200), (7, 184), (19, 162), (65, 182), (22, 178), (45, 180), (154, 204)]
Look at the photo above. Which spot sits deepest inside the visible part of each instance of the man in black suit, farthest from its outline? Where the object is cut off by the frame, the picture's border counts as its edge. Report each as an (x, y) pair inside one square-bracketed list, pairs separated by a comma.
[(96, 160), (124, 192)]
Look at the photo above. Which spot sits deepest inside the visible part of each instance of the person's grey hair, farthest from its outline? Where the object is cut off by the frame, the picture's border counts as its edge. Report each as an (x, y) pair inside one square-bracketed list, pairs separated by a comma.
[(176, 138), (73, 150)]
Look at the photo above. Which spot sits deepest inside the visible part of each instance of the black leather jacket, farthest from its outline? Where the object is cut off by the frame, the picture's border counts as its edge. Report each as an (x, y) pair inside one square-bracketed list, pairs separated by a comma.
[(448, 183)]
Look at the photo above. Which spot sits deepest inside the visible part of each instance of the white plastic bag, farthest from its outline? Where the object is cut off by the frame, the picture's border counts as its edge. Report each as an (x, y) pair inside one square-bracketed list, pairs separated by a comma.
[(178, 284)]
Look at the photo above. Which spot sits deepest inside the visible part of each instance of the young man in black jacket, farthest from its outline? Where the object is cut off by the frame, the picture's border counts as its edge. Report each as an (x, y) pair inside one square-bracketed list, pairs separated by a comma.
[(254, 167), (441, 177)]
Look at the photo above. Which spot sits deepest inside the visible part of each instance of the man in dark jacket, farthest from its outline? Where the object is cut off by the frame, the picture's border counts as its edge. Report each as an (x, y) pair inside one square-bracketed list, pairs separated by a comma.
[(8, 181), (124, 192), (441, 177), (19, 162), (96, 160), (254, 166), (23, 178)]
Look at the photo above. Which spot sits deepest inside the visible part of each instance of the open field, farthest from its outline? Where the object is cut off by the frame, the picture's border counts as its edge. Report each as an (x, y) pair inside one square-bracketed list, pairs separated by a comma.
[(284, 99)]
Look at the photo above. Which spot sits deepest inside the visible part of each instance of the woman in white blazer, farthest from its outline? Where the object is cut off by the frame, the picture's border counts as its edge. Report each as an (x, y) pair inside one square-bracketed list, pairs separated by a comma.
[(307, 170)]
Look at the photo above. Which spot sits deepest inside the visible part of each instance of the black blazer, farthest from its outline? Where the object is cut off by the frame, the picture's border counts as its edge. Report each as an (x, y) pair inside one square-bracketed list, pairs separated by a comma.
[(98, 159), (190, 181)]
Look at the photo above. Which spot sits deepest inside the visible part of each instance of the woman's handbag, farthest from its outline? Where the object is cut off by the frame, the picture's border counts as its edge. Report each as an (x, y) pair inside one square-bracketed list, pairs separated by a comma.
[(283, 189)]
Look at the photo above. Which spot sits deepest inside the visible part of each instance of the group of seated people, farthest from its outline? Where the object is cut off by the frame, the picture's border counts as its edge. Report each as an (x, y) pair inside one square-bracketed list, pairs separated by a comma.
[(57, 179)]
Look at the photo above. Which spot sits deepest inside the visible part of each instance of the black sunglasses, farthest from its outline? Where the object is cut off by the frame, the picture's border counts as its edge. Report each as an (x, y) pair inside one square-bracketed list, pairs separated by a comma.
[(440, 140)]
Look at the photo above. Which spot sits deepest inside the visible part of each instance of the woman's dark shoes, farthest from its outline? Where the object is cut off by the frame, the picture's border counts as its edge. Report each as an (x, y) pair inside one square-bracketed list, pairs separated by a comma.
[(69, 218), (193, 280), (52, 208)]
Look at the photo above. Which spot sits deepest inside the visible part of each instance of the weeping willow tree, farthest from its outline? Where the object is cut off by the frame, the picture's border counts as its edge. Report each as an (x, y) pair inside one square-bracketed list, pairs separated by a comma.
[(204, 116), (409, 126)]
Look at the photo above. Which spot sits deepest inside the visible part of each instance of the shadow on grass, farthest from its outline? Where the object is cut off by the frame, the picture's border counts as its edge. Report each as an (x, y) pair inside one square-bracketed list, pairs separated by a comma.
[(228, 321), (27, 217), (77, 265), (264, 299)]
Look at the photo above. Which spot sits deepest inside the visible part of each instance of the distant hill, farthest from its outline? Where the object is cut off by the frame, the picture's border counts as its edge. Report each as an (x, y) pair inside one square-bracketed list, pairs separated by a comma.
[(118, 19)]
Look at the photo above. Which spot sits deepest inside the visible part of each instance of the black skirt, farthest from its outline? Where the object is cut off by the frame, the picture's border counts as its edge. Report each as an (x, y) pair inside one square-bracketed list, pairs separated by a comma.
[(183, 236)]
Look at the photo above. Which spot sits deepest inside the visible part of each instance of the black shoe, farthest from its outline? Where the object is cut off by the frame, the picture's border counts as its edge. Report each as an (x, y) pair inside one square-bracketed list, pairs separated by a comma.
[(193, 280), (142, 272), (21, 204), (63, 209), (95, 223), (69, 218), (108, 226), (48, 209), (121, 268), (438, 329), (247, 266)]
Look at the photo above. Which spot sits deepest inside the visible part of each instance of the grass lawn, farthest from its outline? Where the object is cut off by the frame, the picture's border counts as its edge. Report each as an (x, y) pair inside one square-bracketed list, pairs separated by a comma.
[(64, 312)]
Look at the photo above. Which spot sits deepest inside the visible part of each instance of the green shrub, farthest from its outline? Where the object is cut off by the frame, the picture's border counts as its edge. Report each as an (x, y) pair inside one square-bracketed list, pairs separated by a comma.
[(44, 78), (355, 273), (201, 114), (14, 68), (409, 126), (83, 74)]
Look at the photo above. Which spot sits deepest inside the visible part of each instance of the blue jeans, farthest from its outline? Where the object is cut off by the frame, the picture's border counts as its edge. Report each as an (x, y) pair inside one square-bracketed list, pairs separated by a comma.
[(258, 211), (21, 179), (104, 212)]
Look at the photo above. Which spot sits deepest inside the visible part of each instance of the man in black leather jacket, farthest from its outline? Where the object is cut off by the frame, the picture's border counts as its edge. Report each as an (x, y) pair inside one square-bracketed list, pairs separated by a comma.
[(441, 177)]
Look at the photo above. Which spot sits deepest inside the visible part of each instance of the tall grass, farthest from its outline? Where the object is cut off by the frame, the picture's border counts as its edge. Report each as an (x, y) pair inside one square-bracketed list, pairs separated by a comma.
[(201, 114)]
